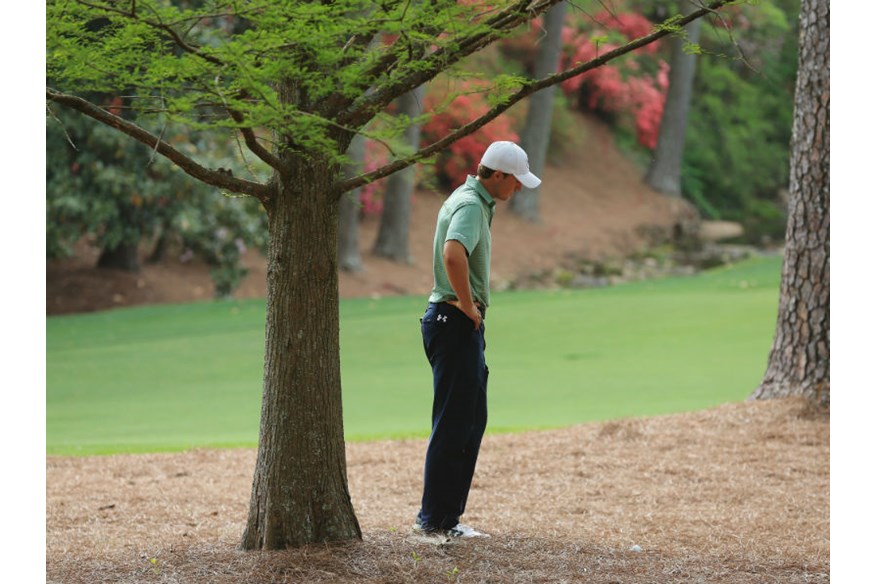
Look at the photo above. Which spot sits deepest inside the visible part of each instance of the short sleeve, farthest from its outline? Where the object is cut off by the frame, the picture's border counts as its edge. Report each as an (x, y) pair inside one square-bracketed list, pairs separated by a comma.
[(465, 227)]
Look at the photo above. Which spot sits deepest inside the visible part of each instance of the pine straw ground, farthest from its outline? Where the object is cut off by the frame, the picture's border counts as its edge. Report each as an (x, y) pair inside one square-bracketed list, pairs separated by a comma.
[(737, 494)]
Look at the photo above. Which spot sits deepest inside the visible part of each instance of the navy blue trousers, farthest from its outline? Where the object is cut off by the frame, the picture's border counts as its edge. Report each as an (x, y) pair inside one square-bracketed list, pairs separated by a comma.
[(455, 350)]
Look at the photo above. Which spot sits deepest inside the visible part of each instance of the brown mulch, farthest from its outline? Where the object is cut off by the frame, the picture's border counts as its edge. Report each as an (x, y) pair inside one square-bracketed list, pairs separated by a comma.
[(736, 494)]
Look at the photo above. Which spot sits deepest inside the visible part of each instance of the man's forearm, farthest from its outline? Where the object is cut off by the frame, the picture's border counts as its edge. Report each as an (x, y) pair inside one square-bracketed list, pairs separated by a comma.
[(456, 266)]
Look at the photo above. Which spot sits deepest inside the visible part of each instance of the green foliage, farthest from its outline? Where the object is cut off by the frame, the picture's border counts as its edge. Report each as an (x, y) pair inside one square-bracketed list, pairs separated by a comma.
[(671, 24), (104, 185), (220, 232), (192, 63), (736, 156), (503, 86), (692, 49), (123, 381)]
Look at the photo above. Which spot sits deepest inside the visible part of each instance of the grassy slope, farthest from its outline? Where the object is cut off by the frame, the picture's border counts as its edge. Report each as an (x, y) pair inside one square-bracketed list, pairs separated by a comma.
[(175, 377)]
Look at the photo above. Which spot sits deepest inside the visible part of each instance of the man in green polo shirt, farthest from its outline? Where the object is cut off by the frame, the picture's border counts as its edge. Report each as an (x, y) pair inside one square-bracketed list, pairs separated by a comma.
[(453, 336)]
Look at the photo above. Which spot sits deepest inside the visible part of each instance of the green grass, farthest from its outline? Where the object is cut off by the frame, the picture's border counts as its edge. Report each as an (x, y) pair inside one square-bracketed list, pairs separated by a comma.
[(176, 377)]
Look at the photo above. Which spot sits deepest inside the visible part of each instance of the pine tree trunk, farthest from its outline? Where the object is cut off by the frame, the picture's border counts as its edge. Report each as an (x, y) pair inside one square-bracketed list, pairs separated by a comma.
[(664, 174), (393, 236), (299, 491), (799, 362), (535, 137)]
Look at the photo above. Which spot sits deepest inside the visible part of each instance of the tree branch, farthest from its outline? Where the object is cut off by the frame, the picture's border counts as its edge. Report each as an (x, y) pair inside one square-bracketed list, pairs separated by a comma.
[(252, 142), (222, 179), (525, 91), (249, 134), (506, 20)]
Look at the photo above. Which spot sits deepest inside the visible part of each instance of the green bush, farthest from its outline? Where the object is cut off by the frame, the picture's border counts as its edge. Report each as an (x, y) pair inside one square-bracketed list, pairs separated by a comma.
[(220, 232), (737, 150), (736, 159), (102, 184)]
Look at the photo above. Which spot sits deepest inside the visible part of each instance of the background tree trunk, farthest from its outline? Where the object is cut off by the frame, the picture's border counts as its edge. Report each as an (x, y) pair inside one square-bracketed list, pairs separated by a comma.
[(349, 257), (393, 236), (799, 362), (536, 134), (664, 174), (159, 250), (299, 491), (124, 256)]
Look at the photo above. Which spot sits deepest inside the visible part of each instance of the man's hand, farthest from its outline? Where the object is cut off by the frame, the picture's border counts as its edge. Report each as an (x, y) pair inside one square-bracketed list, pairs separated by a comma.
[(471, 312)]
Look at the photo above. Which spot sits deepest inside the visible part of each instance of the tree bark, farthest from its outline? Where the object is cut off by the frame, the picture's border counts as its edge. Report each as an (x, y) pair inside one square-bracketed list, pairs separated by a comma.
[(393, 236), (536, 134), (299, 490), (124, 256), (799, 362), (159, 250), (664, 174), (349, 258)]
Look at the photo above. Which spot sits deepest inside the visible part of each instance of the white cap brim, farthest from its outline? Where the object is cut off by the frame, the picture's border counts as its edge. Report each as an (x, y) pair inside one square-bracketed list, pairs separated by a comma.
[(528, 180)]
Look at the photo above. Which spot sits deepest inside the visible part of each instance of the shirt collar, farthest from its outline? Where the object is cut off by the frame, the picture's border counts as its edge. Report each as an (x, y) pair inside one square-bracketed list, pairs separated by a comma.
[(473, 182)]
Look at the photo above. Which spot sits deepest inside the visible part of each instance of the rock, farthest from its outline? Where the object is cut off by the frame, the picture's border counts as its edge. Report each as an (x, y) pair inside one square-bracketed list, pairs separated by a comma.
[(712, 231), (714, 254)]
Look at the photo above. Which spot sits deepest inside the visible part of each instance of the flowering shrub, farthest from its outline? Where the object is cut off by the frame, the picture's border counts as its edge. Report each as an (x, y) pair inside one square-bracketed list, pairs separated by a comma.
[(631, 89), (648, 98), (461, 158), (628, 91), (371, 195)]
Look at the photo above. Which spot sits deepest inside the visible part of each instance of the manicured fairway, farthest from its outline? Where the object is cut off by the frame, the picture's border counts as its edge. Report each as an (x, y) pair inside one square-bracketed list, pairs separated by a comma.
[(177, 377)]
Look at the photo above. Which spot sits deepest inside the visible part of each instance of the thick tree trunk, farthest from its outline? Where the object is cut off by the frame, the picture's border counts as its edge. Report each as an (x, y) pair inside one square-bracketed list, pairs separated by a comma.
[(393, 236), (299, 491), (124, 256), (349, 258), (536, 134), (664, 174), (799, 362)]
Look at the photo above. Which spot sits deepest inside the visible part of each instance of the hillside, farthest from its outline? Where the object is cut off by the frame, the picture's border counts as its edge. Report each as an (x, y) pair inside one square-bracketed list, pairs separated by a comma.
[(594, 205)]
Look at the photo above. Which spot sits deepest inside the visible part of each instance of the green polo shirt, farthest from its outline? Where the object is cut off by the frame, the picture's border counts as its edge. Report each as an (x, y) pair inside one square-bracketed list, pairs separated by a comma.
[(465, 217)]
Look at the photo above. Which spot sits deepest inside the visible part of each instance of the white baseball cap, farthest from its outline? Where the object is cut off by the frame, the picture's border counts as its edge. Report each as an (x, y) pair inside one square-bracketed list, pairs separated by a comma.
[(510, 158)]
